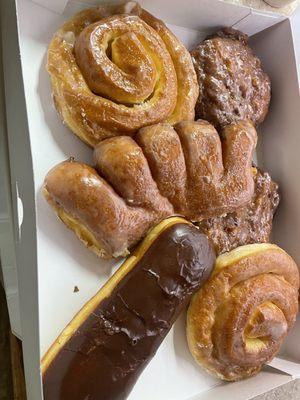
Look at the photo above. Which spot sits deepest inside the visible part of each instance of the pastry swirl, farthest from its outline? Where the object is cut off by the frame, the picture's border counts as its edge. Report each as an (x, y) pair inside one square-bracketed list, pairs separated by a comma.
[(239, 319), (186, 170), (115, 69)]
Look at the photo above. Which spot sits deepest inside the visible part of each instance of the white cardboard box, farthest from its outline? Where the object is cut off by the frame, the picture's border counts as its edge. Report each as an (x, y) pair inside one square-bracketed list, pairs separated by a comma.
[(51, 261)]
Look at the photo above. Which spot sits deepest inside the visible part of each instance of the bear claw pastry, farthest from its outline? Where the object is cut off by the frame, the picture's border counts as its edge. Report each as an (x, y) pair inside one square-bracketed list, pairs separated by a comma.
[(186, 170), (238, 320)]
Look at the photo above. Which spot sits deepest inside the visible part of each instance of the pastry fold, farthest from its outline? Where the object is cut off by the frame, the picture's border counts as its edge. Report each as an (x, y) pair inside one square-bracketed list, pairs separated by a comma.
[(187, 170), (238, 320)]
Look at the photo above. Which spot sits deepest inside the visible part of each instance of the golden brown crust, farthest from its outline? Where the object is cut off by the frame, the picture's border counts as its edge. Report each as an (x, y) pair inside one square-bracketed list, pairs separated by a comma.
[(121, 162), (81, 231), (93, 205), (238, 320), (162, 148), (187, 87), (200, 174), (219, 177), (112, 74), (166, 171)]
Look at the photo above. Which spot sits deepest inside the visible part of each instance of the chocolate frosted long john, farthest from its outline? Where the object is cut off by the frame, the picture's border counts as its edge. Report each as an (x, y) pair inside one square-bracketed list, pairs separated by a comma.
[(107, 345)]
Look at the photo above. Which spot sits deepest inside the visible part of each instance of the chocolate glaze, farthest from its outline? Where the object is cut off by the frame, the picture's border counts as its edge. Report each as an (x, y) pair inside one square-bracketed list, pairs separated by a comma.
[(105, 356)]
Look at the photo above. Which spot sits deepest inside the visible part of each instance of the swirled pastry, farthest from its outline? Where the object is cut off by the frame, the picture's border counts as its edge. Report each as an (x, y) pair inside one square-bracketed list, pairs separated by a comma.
[(186, 170), (239, 319), (115, 69), (249, 224), (232, 84)]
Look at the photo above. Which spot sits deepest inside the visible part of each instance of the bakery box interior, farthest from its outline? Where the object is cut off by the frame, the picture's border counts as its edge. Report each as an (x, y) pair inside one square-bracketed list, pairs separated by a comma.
[(59, 275)]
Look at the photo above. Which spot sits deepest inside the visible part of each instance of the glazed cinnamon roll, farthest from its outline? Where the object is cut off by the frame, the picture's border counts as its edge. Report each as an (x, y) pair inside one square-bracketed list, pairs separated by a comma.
[(116, 68), (239, 319)]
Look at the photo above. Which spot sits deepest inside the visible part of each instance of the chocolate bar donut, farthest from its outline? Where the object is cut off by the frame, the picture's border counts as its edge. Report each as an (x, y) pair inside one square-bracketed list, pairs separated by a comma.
[(102, 352)]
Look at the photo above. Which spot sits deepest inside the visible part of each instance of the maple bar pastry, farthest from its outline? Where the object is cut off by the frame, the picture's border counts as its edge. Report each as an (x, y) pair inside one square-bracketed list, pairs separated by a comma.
[(186, 170), (237, 322), (104, 349), (116, 68)]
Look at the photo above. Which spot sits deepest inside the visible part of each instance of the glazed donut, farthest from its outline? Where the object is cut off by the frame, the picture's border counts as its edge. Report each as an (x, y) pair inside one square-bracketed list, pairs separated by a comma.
[(167, 171), (103, 350), (239, 319), (251, 223), (116, 68), (232, 84)]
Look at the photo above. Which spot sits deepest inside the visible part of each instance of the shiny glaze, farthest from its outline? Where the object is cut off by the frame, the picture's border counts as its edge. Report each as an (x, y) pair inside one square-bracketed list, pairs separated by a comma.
[(238, 320), (200, 174), (124, 166), (183, 170), (106, 355), (77, 190), (232, 84), (251, 223), (137, 60), (116, 68)]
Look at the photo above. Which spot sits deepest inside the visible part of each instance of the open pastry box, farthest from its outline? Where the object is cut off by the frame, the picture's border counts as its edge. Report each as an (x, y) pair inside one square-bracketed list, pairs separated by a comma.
[(50, 260)]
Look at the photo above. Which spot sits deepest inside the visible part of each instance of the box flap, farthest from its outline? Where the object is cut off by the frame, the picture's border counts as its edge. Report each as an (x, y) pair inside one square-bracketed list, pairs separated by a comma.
[(256, 21), (53, 5), (295, 26), (289, 367), (246, 389)]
